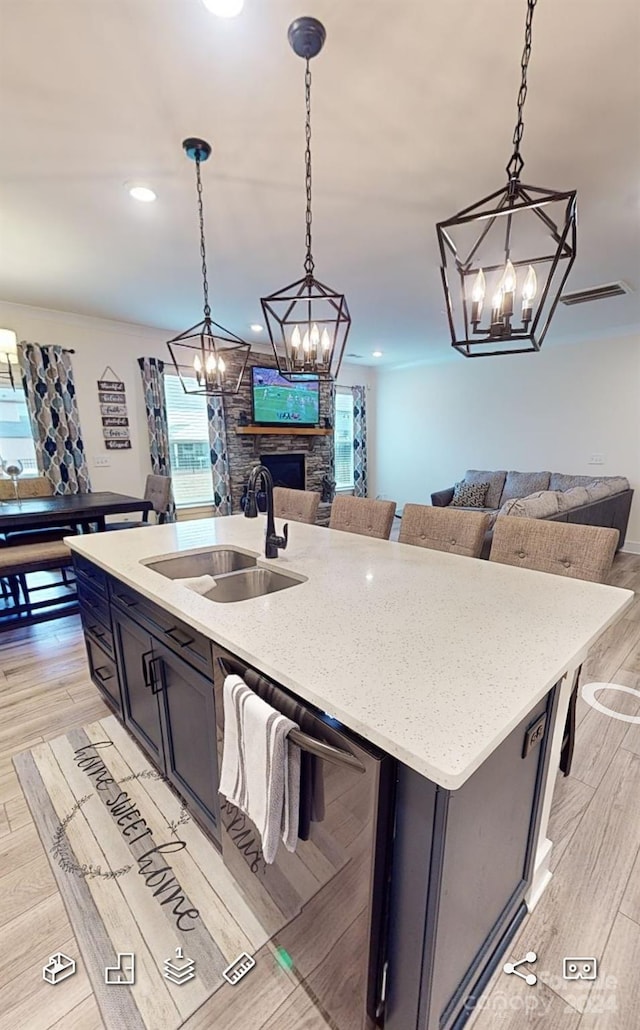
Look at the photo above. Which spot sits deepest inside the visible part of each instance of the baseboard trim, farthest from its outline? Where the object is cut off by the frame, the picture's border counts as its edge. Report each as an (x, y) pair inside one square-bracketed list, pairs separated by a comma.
[(631, 547)]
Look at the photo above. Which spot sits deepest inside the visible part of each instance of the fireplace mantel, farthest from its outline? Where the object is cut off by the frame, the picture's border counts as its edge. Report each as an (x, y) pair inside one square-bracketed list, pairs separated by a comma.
[(282, 431)]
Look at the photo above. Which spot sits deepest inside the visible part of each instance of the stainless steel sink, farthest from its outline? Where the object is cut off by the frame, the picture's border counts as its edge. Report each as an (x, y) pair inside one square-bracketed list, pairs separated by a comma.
[(241, 586), (207, 562)]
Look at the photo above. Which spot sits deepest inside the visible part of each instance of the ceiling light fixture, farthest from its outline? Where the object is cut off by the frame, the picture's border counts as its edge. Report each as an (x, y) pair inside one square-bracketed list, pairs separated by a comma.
[(500, 247), (308, 322), (143, 193), (376, 354), (8, 357), (208, 358), (224, 8), (256, 328)]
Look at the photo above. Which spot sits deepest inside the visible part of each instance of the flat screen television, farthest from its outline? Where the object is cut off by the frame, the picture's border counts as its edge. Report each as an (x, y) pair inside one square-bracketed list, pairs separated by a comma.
[(279, 402)]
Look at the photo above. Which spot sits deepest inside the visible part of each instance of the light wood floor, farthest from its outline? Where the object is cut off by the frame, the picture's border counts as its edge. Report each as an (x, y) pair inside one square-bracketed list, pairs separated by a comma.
[(592, 907)]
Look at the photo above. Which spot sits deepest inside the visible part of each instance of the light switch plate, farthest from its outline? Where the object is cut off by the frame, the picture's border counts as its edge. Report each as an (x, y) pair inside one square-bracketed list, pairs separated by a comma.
[(596, 459), (101, 461)]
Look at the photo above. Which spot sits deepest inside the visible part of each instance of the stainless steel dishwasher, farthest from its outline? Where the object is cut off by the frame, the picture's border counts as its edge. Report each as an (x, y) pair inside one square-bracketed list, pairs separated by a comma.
[(324, 905)]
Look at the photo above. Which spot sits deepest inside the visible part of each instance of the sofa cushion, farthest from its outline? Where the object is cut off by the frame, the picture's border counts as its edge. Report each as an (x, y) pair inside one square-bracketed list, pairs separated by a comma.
[(560, 481), (536, 506), (572, 498), (495, 481), (469, 495), (597, 490), (521, 484), (616, 484)]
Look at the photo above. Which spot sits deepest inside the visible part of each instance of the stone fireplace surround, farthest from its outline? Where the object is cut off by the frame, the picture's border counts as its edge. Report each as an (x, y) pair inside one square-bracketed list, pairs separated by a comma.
[(244, 451)]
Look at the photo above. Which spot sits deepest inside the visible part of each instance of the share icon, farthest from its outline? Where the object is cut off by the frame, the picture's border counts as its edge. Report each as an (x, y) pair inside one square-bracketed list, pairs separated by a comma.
[(512, 967)]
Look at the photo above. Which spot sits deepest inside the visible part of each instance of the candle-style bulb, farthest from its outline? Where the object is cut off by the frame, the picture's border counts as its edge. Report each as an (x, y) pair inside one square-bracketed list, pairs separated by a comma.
[(325, 342), (509, 278), (197, 364), (479, 287), (530, 287), (296, 339), (221, 366), (305, 342), (496, 303), (210, 365), (315, 335)]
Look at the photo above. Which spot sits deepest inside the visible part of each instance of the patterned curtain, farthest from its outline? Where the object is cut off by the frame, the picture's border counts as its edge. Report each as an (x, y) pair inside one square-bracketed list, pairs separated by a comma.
[(359, 441), (50, 394), (152, 371), (219, 459)]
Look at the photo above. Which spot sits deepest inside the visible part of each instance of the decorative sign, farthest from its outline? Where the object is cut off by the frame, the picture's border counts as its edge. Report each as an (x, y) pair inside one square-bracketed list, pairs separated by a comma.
[(113, 409)]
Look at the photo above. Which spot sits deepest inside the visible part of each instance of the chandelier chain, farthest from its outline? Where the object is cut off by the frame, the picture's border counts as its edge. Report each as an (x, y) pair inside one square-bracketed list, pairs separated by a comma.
[(308, 262), (203, 250), (516, 164)]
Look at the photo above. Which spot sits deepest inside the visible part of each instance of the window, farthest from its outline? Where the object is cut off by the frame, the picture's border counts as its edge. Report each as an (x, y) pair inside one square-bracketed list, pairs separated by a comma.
[(16, 441), (343, 438), (188, 445)]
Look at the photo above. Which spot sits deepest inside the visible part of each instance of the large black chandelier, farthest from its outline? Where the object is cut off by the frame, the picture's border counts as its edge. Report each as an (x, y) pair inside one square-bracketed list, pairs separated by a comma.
[(208, 358), (308, 322), (515, 247)]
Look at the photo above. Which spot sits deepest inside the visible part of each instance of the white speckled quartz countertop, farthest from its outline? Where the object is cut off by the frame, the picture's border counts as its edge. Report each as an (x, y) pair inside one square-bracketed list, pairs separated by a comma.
[(433, 657)]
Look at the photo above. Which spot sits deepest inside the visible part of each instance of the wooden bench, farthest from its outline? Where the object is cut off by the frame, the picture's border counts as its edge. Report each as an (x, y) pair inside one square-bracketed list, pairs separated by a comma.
[(16, 562)]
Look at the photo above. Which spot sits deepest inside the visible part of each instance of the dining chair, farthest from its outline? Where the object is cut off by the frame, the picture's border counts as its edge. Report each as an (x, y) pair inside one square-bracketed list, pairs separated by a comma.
[(563, 549), (362, 515), (444, 529), (158, 491), (296, 505)]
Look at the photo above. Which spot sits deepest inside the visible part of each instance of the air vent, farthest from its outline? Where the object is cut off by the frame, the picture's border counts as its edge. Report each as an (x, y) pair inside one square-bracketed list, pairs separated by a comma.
[(595, 293), (350, 354)]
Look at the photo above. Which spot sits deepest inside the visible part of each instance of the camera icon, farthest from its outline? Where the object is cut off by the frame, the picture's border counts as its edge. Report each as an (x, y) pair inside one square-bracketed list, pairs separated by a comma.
[(579, 968)]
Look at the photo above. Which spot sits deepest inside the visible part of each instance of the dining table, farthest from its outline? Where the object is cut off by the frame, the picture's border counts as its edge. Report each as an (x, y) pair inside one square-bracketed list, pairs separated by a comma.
[(81, 511)]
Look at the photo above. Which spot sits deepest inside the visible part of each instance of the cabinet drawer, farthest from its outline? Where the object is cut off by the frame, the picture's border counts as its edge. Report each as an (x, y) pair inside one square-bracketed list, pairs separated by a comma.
[(182, 639), (90, 574), (104, 673)]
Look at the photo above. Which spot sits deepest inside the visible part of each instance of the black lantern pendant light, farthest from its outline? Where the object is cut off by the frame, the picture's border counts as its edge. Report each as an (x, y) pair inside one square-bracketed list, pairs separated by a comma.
[(208, 358), (308, 322), (511, 254)]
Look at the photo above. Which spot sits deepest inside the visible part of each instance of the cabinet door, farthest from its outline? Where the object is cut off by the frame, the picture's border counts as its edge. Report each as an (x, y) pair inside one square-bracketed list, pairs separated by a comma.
[(139, 700), (104, 673), (190, 733)]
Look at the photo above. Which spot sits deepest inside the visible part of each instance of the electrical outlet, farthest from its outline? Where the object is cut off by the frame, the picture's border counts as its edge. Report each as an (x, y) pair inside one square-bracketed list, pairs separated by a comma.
[(101, 461), (534, 734), (596, 459)]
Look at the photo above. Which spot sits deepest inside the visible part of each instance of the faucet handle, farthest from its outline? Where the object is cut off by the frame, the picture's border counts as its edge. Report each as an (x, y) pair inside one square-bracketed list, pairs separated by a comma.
[(285, 534)]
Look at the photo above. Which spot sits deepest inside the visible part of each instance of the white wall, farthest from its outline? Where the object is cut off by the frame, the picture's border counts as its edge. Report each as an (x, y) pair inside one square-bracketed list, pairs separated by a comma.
[(97, 343), (551, 410)]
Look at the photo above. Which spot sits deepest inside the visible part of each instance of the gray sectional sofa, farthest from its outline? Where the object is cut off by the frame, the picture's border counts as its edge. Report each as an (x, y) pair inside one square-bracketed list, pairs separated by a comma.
[(588, 500)]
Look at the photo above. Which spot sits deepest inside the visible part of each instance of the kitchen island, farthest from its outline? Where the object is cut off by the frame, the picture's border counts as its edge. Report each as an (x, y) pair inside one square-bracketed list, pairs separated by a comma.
[(455, 673)]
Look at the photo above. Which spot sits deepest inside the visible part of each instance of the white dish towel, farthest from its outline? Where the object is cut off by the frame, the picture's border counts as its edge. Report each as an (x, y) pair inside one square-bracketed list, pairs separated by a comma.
[(260, 766), (200, 584)]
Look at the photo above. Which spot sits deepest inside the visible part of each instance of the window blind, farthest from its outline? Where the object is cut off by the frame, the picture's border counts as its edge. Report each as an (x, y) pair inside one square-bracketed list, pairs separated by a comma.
[(189, 444)]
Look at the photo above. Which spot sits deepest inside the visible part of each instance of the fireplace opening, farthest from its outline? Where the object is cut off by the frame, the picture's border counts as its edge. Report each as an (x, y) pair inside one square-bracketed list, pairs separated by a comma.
[(286, 469)]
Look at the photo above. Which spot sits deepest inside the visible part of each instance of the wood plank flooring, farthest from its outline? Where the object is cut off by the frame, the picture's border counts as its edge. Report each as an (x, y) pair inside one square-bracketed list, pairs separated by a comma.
[(592, 903)]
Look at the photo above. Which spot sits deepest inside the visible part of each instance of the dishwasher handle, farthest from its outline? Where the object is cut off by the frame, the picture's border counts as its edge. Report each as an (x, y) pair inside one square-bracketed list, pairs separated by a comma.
[(335, 755)]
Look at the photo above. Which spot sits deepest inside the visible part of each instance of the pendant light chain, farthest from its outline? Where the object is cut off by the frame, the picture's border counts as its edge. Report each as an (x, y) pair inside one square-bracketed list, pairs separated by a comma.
[(203, 252), (516, 164), (308, 262)]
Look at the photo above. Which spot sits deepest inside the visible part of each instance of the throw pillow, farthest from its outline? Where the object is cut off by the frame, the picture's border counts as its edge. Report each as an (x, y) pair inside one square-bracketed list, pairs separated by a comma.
[(561, 481), (469, 495), (597, 490), (573, 498), (521, 484), (495, 481)]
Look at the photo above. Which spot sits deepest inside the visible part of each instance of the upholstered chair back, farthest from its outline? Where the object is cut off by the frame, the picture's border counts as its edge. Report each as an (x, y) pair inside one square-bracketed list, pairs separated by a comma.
[(31, 486), (361, 515), (563, 548), (444, 529), (158, 491), (295, 505)]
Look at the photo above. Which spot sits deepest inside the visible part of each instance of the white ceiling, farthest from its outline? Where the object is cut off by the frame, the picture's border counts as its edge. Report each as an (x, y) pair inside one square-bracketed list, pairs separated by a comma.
[(414, 105)]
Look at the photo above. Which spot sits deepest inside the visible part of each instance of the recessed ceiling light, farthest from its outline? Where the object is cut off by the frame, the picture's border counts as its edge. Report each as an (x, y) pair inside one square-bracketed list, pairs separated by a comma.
[(256, 328), (376, 354), (142, 193), (224, 8)]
